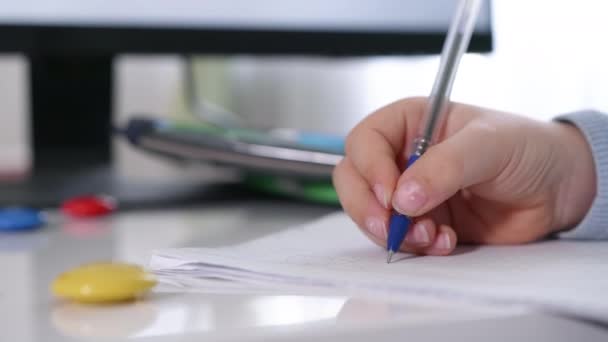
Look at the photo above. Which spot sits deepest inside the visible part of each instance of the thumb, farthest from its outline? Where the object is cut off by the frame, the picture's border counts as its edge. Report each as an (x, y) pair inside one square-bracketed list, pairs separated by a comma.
[(471, 156)]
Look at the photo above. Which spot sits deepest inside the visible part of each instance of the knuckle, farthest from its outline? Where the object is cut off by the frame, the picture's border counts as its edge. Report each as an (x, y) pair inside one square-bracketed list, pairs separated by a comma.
[(414, 101), (368, 170), (337, 173), (484, 128), (364, 158), (352, 139)]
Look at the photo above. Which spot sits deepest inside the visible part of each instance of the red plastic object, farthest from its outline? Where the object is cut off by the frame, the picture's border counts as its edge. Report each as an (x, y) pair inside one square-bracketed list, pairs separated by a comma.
[(88, 206)]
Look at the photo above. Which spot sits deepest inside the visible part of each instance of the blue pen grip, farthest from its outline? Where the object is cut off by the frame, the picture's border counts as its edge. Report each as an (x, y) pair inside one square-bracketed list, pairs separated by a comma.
[(397, 228), (411, 160), (399, 224)]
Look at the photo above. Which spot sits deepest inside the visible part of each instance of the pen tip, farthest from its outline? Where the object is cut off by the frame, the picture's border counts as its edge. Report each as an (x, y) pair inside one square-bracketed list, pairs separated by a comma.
[(390, 256)]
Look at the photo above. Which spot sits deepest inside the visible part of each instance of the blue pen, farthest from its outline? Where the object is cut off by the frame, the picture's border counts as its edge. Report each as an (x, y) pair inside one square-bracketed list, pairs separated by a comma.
[(455, 45)]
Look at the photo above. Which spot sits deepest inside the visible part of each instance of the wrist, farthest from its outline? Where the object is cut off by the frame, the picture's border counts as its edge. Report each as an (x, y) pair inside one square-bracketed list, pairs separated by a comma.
[(578, 186)]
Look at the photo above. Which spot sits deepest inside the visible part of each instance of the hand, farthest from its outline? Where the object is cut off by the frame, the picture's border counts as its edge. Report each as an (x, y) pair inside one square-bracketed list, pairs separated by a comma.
[(493, 178)]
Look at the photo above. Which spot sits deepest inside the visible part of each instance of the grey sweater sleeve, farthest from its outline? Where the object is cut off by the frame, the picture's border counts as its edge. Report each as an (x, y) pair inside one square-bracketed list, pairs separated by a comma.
[(594, 126)]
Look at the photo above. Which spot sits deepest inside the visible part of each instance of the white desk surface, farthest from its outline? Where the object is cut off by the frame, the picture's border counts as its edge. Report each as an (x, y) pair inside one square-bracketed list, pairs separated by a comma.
[(30, 261)]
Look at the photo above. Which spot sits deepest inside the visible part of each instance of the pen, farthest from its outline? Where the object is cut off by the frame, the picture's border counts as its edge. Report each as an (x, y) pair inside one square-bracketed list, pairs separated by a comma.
[(455, 45)]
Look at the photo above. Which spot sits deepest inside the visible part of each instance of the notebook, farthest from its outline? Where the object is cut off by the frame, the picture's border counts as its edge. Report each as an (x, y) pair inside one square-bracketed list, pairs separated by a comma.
[(331, 254)]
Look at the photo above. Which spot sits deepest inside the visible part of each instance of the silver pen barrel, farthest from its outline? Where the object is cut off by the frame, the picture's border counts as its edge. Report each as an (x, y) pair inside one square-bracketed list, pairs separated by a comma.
[(454, 47)]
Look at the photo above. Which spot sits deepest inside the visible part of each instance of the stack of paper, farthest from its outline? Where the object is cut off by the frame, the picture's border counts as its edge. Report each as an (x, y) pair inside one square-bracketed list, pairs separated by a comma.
[(331, 254)]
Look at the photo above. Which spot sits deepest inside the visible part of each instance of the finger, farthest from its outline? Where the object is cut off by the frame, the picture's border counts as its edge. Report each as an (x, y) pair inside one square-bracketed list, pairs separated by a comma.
[(424, 230), (375, 161), (359, 202), (421, 235), (473, 155), (444, 243), (375, 144), (395, 121)]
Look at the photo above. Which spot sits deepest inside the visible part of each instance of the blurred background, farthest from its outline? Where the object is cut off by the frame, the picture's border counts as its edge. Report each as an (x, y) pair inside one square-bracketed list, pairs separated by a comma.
[(537, 58), (546, 58)]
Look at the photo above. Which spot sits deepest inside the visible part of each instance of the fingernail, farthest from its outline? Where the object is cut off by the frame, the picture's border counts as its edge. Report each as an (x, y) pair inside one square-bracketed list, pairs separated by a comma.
[(381, 195), (376, 227), (419, 235), (443, 241), (410, 198)]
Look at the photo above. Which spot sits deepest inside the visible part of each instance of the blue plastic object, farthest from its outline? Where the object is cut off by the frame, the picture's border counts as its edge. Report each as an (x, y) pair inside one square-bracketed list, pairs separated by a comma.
[(20, 219), (323, 142), (399, 224)]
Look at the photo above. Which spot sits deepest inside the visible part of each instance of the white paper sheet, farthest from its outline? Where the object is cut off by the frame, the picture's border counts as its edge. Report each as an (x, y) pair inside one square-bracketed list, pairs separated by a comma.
[(566, 277)]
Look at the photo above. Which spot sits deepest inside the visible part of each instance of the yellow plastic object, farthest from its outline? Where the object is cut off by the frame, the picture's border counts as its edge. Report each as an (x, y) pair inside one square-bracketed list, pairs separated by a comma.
[(103, 283)]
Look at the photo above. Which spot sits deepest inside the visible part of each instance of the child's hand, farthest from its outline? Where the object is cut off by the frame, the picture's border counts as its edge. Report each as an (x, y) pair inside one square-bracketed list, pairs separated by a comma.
[(493, 178)]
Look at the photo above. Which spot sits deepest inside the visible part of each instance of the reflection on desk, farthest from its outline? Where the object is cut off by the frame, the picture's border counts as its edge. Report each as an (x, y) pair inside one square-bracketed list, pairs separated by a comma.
[(235, 316)]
